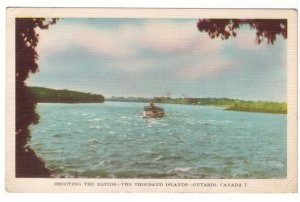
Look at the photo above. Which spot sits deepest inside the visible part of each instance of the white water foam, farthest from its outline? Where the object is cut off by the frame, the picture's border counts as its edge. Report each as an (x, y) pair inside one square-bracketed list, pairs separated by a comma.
[(94, 127), (95, 120), (182, 170), (93, 140)]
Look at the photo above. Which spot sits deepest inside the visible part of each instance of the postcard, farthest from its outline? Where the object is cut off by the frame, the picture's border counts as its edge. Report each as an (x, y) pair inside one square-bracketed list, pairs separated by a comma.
[(151, 100)]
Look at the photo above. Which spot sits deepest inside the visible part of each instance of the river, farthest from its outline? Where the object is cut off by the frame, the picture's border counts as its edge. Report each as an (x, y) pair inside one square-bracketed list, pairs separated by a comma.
[(113, 140)]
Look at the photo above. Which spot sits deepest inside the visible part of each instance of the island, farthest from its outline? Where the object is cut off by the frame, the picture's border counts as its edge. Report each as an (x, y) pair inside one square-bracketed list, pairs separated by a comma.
[(226, 103), (47, 95)]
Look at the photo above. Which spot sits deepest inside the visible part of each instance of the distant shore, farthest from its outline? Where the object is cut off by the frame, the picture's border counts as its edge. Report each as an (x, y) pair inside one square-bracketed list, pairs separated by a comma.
[(227, 103), (47, 95)]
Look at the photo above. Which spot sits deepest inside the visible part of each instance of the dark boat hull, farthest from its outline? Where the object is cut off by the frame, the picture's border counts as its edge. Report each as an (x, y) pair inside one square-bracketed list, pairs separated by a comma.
[(153, 112)]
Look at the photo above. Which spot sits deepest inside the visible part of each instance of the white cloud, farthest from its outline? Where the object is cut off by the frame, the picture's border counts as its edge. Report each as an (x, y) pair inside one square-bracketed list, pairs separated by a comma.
[(126, 40), (169, 37), (182, 41), (209, 66), (60, 37)]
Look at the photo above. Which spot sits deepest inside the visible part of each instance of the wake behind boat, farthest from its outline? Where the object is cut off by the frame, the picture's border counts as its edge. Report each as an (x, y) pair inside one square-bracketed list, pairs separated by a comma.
[(153, 111)]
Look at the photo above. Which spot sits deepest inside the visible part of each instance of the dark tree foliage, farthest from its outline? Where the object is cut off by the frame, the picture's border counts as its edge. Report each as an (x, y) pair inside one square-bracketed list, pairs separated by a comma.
[(225, 28), (27, 163), (48, 95)]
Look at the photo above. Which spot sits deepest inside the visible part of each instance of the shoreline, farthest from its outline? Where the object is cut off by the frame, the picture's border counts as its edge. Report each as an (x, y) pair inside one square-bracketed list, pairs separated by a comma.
[(226, 107)]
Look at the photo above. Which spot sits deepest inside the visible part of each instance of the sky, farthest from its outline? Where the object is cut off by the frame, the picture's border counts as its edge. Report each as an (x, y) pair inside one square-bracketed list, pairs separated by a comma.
[(158, 57)]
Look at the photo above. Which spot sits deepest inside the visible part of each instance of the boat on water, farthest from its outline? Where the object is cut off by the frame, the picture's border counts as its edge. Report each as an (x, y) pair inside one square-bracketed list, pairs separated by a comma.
[(153, 112)]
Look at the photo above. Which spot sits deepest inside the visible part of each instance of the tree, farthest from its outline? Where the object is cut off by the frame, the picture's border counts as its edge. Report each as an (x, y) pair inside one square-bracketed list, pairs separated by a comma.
[(27, 163), (226, 28)]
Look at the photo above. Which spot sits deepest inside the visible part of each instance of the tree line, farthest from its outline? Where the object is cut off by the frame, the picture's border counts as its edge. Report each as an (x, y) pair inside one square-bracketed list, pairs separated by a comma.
[(48, 95), (227, 103)]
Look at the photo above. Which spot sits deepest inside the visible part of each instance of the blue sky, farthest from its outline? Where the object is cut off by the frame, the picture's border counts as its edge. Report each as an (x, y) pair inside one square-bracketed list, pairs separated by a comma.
[(158, 57)]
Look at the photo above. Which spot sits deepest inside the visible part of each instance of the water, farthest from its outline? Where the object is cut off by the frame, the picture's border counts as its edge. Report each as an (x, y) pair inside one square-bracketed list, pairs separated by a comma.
[(113, 140)]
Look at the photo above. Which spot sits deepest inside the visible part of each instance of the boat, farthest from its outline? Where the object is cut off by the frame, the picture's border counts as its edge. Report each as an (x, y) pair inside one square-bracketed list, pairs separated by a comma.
[(153, 112)]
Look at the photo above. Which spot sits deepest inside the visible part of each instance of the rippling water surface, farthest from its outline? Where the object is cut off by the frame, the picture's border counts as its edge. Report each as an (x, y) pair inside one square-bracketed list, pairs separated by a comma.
[(113, 140)]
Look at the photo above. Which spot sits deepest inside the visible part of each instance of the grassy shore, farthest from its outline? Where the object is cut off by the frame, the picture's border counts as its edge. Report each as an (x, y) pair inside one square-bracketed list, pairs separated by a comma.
[(260, 106)]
